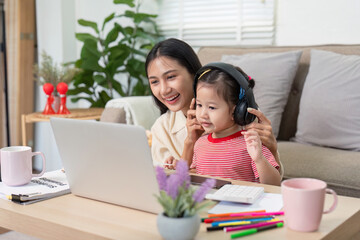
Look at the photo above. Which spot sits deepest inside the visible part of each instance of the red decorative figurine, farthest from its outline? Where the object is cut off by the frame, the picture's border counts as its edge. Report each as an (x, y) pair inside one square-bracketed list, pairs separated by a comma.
[(48, 89), (62, 88)]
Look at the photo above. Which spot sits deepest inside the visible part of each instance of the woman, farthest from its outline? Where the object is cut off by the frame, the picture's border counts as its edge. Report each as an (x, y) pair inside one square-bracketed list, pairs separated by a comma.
[(170, 67)]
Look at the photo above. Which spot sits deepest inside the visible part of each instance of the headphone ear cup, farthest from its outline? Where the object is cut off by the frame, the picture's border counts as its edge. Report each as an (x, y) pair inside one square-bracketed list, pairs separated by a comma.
[(249, 118), (240, 112), (241, 115)]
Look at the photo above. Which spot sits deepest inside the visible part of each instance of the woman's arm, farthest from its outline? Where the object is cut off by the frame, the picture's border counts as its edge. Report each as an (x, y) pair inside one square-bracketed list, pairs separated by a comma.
[(162, 148), (267, 173)]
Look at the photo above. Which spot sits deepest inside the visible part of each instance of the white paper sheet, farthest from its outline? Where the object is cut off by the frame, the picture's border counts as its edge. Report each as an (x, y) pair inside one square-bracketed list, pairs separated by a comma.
[(271, 202)]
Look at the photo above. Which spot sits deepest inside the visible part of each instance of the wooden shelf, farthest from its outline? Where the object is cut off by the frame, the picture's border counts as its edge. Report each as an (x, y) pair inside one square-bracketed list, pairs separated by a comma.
[(76, 113)]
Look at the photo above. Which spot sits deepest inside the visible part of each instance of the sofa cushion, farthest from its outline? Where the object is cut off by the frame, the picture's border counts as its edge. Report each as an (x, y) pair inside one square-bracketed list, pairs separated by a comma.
[(329, 107), (274, 74), (339, 168)]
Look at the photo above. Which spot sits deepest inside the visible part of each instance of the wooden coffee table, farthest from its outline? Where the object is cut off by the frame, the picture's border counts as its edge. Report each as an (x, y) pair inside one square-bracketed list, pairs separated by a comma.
[(72, 217)]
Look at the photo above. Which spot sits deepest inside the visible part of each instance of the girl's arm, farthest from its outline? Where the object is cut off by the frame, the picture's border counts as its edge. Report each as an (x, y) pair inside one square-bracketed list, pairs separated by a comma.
[(267, 173), (194, 131)]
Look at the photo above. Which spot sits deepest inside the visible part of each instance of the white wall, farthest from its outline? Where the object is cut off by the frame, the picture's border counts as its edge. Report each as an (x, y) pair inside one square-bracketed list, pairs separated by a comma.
[(313, 22)]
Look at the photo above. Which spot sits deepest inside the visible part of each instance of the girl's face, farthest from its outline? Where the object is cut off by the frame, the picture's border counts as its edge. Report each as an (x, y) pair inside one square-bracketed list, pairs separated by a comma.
[(213, 112), (171, 83)]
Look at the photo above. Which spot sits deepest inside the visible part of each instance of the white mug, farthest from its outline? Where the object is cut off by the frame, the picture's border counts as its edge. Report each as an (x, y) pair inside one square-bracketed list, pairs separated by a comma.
[(16, 165)]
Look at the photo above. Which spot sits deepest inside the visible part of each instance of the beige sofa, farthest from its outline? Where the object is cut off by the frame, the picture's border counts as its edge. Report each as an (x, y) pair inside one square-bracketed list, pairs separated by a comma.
[(339, 168)]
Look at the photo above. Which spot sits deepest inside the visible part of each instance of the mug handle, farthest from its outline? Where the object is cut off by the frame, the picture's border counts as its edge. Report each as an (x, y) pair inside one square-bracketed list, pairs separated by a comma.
[(43, 166), (332, 208)]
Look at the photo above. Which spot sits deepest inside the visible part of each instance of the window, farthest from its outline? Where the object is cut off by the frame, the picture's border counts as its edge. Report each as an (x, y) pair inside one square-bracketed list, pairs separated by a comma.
[(213, 22)]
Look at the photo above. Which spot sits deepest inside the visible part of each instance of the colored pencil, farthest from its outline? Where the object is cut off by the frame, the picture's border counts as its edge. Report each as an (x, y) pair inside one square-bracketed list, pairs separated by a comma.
[(255, 214), (229, 214), (255, 225), (210, 220), (239, 222), (255, 230), (210, 228)]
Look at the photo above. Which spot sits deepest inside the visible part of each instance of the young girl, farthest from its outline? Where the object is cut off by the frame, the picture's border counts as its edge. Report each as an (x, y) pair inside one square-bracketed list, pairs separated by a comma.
[(227, 150)]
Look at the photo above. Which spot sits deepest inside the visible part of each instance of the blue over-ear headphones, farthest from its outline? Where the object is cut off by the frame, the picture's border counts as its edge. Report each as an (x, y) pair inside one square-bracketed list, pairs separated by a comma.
[(246, 95)]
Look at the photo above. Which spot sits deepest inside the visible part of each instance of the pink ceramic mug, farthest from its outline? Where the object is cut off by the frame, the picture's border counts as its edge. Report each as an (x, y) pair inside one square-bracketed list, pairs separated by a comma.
[(16, 165), (304, 203)]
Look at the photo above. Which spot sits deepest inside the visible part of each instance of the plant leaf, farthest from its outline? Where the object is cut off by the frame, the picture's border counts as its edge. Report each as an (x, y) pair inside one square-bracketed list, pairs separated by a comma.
[(112, 35), (76, 91), (87, 23), (90, 56), (76, 99), (99, 79), (104, 97), (130, 3), (118, 88), (83, 36), (107, 19)]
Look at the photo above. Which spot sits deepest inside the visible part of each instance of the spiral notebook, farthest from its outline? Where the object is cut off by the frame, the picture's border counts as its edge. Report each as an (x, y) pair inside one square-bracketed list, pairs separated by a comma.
[(49, 185)]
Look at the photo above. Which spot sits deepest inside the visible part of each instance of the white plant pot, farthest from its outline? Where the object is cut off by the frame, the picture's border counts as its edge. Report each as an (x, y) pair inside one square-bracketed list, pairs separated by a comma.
[(178, 228)]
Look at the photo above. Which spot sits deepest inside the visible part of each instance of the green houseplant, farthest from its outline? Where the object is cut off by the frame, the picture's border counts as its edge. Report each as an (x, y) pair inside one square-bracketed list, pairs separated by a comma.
[(105, 58)]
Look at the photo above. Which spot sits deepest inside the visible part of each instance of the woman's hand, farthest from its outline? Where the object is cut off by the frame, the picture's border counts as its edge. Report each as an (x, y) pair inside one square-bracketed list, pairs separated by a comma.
[(194, 131), (170, 163), (264, 129), (194, 128)]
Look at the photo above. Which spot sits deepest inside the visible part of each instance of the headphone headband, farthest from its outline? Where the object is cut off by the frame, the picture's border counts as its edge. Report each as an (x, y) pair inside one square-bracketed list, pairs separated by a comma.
[(233, 72), (227, 68)]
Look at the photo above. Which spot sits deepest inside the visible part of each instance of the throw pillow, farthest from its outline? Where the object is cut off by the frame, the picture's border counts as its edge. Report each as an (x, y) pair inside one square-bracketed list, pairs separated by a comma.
[(329, 112), (273, 74)]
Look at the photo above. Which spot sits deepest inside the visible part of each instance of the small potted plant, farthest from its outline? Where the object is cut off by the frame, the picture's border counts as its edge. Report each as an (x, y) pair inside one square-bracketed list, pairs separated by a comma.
[(49, 74), (181, 203)]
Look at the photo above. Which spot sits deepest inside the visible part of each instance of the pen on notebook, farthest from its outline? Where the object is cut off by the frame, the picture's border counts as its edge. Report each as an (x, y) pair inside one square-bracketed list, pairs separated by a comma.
[(255, 225), (229, 214), (255, 230), (255, 214)]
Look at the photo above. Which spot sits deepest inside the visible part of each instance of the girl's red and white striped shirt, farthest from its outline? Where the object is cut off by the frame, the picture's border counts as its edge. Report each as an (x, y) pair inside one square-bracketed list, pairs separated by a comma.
[(227, 157)]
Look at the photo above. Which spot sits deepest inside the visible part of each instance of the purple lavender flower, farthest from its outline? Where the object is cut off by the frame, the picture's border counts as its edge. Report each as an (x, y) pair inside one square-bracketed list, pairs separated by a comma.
[(173, 184), (161, 177), (200, 193), (182, 170)]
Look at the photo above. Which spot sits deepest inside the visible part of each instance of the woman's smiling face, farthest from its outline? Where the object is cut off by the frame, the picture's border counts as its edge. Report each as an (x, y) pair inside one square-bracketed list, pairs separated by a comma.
[(171, 83)]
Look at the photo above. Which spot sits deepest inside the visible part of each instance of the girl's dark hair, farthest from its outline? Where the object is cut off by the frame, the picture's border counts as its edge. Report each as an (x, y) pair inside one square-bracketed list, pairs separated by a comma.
[(180, 52), (227, 87)]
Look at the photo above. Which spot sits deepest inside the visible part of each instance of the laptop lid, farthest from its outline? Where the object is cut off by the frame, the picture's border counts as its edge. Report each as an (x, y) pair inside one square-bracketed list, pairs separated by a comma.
[(110, 162)]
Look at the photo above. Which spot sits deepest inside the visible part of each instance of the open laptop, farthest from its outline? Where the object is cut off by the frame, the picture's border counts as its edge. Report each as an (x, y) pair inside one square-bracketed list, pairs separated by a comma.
[(110, 162)]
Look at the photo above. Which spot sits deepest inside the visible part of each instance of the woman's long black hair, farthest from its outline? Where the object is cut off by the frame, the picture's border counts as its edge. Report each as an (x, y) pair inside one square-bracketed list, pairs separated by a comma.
[(177, 50)]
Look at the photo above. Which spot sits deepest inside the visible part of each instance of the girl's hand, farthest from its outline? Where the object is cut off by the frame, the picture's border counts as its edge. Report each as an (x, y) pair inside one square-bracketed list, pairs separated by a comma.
[(253, 145), (170, 163), (194, 128), (264, 129)]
